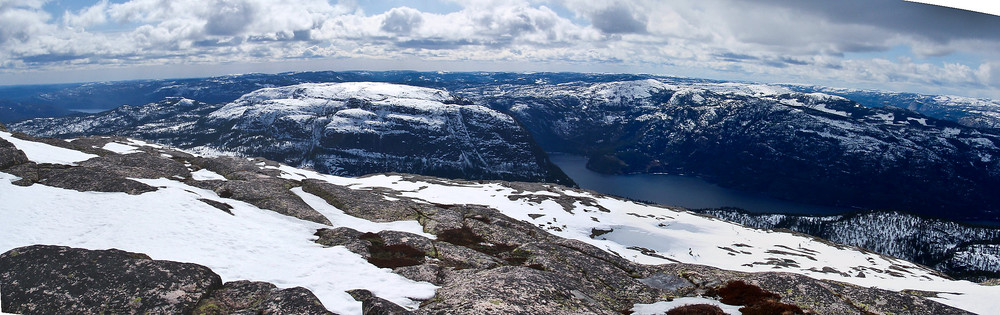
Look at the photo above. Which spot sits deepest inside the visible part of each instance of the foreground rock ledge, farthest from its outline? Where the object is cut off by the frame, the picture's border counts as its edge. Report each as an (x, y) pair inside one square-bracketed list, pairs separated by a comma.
[(44, 279)]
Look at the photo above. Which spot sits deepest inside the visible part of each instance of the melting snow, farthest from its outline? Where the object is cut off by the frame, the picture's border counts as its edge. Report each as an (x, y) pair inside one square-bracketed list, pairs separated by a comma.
[(44, 153), (120, 148), (204, 174)]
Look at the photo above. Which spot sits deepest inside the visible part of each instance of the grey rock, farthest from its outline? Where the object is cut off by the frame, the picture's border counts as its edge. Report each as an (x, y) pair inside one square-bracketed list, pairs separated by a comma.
[(236, 297), (818, 296), (297, 300), (10, 155), (78, 178), (344, 236), (509, 290), (464, 257), (272, 194), (432, 273), (373, 305), (362, 203), (253, 298), (390, 238), (139, 165), (233, 167), (43, 279)]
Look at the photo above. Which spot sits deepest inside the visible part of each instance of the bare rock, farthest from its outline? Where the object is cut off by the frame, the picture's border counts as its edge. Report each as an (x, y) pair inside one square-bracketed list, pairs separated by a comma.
[(510, 290), (139, 165), (272, 194), (297, 300), (236, 297), (811, 295), (362, 203), (43, 279), (253, 298), (77, 178), (10, 155), (236, 167), (344, 236), (373, 305)]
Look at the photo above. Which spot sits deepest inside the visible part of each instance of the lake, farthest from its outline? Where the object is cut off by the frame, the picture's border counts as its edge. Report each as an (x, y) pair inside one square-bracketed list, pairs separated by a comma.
[(680, 190)]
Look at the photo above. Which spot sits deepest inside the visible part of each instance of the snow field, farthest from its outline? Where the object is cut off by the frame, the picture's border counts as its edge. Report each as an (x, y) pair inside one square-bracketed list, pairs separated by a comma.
[(172, 224)]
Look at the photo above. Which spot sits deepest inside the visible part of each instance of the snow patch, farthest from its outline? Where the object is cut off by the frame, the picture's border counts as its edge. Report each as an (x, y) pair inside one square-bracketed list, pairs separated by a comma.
[(204, 174), (44, 153), (172, 224), (120, 148)]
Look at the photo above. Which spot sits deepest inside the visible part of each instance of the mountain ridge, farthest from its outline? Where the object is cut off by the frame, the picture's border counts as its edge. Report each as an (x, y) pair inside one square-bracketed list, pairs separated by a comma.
[(335, 128)]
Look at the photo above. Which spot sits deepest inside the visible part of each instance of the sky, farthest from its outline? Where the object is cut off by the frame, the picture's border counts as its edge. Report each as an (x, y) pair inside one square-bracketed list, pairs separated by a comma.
[(871, 44)]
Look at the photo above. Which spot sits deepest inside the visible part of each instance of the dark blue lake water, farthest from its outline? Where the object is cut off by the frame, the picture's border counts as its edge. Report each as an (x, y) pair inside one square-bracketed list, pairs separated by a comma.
[(679, 190)]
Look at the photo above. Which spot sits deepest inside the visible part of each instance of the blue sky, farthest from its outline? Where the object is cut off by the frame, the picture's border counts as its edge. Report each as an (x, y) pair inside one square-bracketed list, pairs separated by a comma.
[(879, 44)]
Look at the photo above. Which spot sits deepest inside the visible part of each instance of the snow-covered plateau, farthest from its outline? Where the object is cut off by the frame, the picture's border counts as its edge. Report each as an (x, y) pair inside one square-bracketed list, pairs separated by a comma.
[(173, 212)]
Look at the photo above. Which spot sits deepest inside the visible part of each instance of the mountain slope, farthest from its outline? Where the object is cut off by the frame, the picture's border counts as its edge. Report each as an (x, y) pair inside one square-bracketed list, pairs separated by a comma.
[(338, 128), (961, 251), (493, 247), (968, 111), (813, 148)]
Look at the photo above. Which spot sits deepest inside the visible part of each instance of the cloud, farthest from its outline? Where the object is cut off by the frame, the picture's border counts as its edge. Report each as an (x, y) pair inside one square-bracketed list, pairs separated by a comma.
[(850, 41), (22, 20), (231, 17), (401, 20), (618, 19)]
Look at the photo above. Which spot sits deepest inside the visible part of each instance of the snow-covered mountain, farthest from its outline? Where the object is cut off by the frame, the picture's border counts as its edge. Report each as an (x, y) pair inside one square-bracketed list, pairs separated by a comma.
[(968, 111), (968, 252), (338, 128), (808, 147), (791, 142)]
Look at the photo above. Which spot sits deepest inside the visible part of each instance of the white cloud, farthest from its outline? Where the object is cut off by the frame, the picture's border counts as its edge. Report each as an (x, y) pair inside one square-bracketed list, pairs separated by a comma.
[(771, 40)]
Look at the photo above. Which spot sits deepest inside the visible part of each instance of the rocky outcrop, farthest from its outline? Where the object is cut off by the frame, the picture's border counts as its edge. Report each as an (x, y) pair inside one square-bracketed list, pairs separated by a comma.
[(373, 305), (272, 194), (77, 178), (139, 165), (10, 155), (52, 279), (487, 263), (362, 204), (44, 279), (247, 297), (818, 296)]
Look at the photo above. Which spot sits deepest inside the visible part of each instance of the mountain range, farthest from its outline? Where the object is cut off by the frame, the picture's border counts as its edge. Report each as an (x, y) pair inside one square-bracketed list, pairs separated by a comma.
[(337, 128)]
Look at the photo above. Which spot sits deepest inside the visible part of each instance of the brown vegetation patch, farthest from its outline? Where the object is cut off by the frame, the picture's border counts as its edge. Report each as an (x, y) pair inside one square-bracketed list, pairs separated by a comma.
[(696, 309), (756, 301), (391, 256)]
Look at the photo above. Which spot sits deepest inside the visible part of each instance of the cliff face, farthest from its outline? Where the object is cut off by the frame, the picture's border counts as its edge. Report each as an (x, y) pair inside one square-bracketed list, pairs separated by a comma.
[(408, 243)]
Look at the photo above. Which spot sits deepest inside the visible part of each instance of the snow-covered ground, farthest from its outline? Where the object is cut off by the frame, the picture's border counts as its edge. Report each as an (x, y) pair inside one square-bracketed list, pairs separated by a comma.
[(254, 244), (46, 153), (172, 224)]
